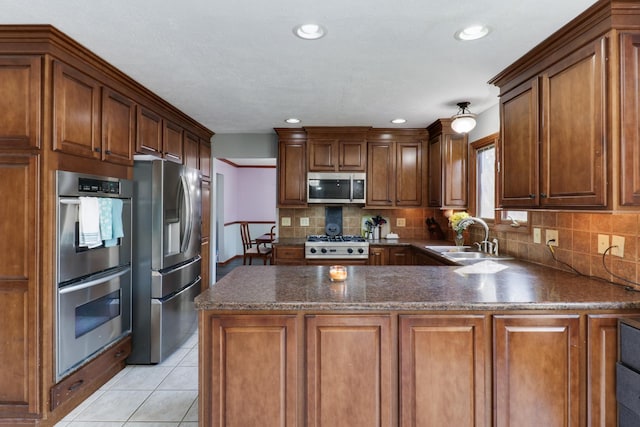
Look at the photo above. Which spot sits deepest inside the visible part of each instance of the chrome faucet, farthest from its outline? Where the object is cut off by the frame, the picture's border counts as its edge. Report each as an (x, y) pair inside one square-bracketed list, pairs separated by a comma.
[(485, 245)]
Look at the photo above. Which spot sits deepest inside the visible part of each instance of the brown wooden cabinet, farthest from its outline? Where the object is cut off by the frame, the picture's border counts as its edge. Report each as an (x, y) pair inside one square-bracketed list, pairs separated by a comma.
[(537, 355), (630, 112), (339, 149), (288, 254), (76, 112), (191, 150), (205, 159), (20, 376), (378, 255), (349, 369), (173, 144), (292, 167), (249, 371), (20, 103), (118, 127), (400, 255), (448, 166), (444, 365), (149, 132), (421, 258), (395, 172)]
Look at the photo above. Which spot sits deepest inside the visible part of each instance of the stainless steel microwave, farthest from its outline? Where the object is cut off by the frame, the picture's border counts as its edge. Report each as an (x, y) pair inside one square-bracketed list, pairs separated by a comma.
[(340, 187)]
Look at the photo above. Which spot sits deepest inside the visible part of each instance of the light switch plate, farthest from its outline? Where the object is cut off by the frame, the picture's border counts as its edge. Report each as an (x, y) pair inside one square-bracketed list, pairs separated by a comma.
[(286, 221), (618, 246), (537, 235), (603, 243), (401, 222), (304, 221)]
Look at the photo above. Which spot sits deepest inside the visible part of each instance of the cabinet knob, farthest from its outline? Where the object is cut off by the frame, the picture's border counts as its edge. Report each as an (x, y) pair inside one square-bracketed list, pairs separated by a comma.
[(97, 150), (532, 196), (543, 195), (108, 152)]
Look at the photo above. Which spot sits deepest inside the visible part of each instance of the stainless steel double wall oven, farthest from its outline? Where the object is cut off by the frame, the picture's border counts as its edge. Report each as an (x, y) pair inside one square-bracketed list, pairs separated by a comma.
[(93, 285)]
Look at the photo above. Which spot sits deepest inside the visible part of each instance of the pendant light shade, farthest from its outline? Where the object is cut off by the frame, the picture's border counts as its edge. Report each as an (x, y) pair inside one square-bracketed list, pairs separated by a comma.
[(464, 121)]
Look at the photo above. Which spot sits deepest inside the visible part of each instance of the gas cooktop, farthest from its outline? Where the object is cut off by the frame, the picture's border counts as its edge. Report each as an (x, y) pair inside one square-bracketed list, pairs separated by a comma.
[(339, 238)]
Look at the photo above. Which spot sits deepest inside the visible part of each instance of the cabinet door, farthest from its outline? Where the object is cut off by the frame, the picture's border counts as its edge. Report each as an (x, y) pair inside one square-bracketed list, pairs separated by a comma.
[(251, 372), (435, 171), (573, 130), (205, 266), (349, 371), (537, 370), (444, 361), (288, 255), (150, 133), (408, 174), (378, 255), (20, 103), (352, 156), (420, 258), (205, 159), (518, 184), (381, 180), (19, 334), (118, 127), (400, 256), (173, 144), (323, 155), (602, 338), (630, 111), (76, 112), (191, 150), (455, 177), (292, 173)]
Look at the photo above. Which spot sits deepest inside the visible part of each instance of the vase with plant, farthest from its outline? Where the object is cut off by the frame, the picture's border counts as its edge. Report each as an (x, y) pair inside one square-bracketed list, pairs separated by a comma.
[(459, 226)]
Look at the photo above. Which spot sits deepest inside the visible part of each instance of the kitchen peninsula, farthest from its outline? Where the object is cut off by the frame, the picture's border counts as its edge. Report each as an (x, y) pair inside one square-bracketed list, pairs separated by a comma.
[(409, 345)]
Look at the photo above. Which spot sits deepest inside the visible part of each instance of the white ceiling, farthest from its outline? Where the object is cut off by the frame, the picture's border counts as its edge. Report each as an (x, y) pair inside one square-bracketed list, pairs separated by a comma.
[(236, 67)]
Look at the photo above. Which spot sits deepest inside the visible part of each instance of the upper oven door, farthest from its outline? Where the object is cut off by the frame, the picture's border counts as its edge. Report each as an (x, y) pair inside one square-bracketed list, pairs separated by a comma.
[(76, 261)]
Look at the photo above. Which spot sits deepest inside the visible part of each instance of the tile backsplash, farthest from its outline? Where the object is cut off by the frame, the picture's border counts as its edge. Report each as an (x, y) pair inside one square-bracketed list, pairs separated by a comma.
[(577, 234)]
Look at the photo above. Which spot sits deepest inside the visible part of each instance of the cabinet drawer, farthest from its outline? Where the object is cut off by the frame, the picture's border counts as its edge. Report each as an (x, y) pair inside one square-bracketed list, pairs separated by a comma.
[(289, 255), (628, 387), (92, 375), (630, 346)]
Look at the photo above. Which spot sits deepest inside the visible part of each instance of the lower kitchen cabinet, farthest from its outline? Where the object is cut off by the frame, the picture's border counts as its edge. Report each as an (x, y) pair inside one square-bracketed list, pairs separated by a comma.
[(537, 370), (378, 255), (349, 371), (288, 254), (444, 363)]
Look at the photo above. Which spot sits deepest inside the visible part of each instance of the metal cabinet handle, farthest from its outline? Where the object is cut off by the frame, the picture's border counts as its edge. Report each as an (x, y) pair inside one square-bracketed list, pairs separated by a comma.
[(76, 385), (543, 195), (532, 196), (97, 150)]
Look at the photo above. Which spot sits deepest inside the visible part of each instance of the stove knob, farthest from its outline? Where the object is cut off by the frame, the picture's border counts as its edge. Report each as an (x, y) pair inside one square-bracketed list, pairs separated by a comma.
[(323, 250), (360, 250), (312, 250), (350, 250)]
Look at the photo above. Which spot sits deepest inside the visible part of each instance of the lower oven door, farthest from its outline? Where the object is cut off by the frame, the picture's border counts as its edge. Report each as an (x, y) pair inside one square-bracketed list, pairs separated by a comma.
[(173, 321), (91, 314)]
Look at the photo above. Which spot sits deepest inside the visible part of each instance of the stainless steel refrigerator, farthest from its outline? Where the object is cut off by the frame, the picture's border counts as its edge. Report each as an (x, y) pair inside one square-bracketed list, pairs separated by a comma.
[(165, 259)]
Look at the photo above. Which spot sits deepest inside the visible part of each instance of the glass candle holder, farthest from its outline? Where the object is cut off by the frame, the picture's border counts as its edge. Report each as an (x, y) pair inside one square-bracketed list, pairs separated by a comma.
[(337, 273)]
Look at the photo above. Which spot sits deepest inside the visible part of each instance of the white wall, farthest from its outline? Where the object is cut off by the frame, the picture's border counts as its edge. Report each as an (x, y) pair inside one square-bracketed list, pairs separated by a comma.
[(487, 123)]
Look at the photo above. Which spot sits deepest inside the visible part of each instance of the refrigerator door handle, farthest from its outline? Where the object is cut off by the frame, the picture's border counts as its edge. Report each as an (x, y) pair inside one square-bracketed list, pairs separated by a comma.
[(189, 214)]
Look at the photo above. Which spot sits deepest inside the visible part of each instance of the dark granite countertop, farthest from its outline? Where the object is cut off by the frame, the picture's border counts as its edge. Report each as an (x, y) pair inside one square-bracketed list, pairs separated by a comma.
[(521, 286)]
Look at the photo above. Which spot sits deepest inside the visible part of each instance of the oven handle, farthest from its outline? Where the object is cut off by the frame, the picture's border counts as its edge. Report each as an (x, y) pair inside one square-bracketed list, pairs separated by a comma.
[(74, 201), (351, 188), (90, 283)]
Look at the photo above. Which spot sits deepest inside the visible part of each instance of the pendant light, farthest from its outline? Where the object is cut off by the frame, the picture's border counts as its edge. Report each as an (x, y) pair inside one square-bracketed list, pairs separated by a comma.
[(464, 121)]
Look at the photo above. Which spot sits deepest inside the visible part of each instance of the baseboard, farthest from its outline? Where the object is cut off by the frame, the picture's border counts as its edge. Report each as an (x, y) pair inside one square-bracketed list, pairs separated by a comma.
[(229, 261)]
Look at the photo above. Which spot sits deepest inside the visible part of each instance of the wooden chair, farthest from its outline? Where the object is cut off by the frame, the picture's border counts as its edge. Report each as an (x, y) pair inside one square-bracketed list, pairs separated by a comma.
[(250, 249)]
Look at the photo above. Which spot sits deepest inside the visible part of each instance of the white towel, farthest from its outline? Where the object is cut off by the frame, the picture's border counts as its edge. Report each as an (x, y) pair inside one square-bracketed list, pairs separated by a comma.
[(89, 219)]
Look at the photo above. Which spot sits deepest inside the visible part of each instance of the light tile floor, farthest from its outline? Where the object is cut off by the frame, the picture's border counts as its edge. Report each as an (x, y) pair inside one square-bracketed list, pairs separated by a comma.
[(162, 395)]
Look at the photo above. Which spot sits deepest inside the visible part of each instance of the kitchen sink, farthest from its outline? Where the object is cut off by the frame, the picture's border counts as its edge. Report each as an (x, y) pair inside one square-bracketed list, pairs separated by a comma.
[(466, 253)]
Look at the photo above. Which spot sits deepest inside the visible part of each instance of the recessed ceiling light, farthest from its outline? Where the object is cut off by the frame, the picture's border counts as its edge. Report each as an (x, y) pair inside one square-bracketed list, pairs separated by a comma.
[(473, 32), (398, 121), (292, 120), (309, 31)]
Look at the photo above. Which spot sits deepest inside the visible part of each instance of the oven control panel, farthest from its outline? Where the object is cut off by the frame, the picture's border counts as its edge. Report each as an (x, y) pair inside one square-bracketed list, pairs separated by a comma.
[(88, 185)]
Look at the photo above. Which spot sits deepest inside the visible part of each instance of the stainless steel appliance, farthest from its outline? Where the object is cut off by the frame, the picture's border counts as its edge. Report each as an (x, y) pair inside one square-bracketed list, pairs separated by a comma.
[(93, 304), (166, 258), (342, 187), (338, 248)]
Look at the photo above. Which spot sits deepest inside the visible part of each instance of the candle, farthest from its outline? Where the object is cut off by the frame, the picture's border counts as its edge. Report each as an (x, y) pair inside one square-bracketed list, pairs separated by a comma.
[(337, 273)]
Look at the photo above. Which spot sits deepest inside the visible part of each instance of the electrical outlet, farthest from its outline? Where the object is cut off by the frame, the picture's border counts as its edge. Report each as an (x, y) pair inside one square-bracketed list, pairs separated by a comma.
[(286, 221), (603, 243), (618, 246), (401, 222), (304, 221), (537, 235), (552, 235)]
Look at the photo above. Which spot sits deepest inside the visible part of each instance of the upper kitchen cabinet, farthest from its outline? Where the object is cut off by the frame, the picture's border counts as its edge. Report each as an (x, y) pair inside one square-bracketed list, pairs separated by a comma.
[(118, 127), (205, 159), (569, 116), (191, 151), (292, 167), (149, 132), (173, 143), (20, 103), (76, 112), (340, 149), (395, 172), (448, 152)]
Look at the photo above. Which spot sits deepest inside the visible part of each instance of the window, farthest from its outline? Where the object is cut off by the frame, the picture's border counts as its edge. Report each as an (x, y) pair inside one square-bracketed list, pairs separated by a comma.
[(482, 186)]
